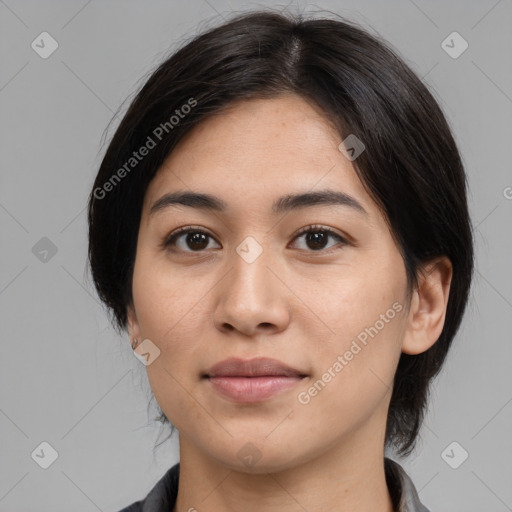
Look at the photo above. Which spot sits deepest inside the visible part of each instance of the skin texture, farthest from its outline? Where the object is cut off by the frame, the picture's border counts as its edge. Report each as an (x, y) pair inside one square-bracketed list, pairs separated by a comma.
[(297, 303)]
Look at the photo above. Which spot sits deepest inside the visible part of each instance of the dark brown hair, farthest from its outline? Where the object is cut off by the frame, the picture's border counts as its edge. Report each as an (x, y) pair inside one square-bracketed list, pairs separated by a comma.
[(411, 166)]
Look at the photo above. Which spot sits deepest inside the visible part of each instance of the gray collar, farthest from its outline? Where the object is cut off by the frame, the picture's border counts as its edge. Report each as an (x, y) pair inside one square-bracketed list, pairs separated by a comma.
[(402, 490)]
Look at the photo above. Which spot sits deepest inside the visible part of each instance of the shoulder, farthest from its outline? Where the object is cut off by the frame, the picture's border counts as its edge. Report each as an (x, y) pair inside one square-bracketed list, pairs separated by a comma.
[(134, 507), (162, 497)]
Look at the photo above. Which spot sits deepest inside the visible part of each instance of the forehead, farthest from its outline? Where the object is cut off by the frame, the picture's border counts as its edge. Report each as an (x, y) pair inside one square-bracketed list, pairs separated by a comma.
[(256, 150)]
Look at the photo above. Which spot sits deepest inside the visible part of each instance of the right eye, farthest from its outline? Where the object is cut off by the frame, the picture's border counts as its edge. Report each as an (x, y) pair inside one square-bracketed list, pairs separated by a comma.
[(191, 238)]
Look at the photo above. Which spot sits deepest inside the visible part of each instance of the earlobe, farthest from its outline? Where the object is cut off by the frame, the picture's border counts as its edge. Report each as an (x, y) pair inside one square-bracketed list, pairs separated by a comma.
[(428, 306), (133, 324)]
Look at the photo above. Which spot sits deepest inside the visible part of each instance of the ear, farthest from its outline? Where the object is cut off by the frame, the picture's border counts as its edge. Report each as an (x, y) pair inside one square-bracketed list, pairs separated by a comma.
[(428, 306), (133, 325)]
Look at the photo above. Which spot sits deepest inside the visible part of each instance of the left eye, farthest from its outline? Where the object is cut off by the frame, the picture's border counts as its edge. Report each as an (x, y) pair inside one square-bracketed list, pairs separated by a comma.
[(196, 240)]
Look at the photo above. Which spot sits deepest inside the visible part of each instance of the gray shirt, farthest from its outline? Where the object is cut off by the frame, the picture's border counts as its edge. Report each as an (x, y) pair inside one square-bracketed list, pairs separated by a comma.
[(162, 498)]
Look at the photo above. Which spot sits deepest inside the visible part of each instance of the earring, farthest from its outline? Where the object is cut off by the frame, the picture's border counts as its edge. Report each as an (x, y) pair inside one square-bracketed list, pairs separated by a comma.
[(134, 344)]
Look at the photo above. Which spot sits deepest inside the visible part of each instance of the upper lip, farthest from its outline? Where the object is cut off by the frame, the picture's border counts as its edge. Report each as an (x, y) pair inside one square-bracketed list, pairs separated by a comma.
[(257, 367)]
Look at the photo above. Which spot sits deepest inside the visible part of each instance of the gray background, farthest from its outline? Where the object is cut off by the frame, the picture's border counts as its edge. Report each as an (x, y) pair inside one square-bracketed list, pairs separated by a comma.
[(68, 379)]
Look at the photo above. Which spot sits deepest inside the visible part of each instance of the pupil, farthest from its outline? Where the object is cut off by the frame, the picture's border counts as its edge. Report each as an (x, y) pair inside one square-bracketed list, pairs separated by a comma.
[(317, 239), (197, 241)]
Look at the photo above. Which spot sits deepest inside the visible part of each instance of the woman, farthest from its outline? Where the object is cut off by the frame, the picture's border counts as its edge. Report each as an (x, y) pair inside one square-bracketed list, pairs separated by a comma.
[(280, 224)]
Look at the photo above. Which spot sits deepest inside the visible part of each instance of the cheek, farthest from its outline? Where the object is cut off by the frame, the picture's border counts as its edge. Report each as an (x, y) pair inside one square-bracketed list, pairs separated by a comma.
[(353, 378), (171, 312), (176, 402), (345, 300), (363, 307), (163, 298)]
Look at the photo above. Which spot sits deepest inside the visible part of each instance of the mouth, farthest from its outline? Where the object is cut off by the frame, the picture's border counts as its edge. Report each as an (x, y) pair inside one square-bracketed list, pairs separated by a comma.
[(252, 389), (254, 380), (257, 367)]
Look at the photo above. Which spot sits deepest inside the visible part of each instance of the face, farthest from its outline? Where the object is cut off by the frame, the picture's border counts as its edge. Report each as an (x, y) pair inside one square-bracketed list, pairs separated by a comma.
[(320, 287)]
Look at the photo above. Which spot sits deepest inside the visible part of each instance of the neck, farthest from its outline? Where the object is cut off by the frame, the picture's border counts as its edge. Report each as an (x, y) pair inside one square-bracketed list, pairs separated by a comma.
[(346, 477)]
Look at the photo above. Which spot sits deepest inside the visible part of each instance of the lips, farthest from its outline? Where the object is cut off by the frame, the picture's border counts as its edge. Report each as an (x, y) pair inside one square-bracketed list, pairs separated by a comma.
[(253, 380), (257, 367)]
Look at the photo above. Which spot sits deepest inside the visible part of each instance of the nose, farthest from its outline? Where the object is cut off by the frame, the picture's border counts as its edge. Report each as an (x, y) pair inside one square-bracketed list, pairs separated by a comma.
[(251, 299)]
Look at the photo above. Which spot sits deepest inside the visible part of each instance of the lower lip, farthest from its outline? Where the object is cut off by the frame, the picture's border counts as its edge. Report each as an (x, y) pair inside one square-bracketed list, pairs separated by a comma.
[(252, 389)]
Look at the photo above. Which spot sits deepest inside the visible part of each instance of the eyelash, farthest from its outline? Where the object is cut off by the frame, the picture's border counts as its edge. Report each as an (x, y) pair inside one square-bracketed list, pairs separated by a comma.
[(171, 239)]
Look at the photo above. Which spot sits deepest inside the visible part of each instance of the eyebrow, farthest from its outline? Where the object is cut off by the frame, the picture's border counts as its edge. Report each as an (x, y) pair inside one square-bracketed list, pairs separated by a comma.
[(283, 204)]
